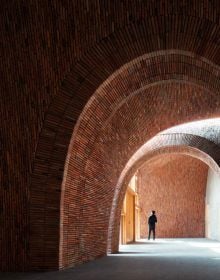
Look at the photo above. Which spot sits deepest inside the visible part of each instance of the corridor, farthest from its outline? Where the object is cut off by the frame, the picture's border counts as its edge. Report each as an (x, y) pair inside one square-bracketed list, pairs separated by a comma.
[(161, 259)]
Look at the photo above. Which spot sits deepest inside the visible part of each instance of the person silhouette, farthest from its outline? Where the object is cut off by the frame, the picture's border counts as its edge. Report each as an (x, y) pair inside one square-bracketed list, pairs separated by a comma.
[(152, 220)]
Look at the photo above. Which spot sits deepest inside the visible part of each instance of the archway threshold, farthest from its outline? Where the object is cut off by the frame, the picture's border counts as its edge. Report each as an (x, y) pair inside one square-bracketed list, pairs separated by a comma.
[(166, 259)]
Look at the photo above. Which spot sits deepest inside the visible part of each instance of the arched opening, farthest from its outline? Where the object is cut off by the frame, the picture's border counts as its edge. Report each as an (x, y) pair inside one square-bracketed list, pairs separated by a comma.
[(174, 185), (110, 129), (190, 139), (83, 88), (123, 113)]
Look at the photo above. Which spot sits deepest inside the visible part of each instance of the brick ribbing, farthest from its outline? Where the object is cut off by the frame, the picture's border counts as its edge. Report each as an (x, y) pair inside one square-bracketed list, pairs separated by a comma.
[(98, 113), (173, 185), (41, 44), (210, 150), (186, 144), (126, 131)]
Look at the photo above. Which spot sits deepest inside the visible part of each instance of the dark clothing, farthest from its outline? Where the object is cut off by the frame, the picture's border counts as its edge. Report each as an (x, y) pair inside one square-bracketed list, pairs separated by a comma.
[(152, 219), (151, 228), (151, 222)]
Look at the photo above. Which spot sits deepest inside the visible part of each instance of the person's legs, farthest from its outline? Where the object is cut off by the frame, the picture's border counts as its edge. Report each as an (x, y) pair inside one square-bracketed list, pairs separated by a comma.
[(149, 233), (153, 233)]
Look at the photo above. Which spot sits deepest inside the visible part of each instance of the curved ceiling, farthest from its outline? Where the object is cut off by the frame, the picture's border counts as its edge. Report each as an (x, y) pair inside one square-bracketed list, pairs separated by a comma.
[(167, 142), (143, 98), (202, 135), (150, 65), (207, 128)]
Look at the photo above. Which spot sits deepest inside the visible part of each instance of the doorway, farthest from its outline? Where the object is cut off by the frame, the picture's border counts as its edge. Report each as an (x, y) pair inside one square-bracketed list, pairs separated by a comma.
[(130, 215)]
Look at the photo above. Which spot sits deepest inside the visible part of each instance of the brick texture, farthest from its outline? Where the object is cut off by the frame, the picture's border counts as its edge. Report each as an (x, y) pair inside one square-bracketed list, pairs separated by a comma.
[(174, 185), (84, 85), (162, 144)]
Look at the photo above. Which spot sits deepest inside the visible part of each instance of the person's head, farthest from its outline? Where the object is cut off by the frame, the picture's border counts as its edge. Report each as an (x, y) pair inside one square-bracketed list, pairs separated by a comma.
[(153, 212)]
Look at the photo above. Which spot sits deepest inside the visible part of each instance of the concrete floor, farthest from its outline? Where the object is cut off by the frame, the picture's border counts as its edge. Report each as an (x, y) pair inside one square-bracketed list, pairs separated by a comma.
[(160, 259)]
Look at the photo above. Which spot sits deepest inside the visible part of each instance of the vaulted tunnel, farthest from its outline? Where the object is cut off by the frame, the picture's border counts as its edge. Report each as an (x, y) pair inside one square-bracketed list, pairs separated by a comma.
[(82, 94), (172, 178)]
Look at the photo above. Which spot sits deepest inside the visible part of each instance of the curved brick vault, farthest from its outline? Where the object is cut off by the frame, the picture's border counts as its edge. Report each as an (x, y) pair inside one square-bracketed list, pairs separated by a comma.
[(91, 97), (112, 126), (122, 115), (173, 143)]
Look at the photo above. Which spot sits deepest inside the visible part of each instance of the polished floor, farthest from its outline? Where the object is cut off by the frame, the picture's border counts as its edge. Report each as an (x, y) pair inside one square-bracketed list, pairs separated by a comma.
[(165, 259)]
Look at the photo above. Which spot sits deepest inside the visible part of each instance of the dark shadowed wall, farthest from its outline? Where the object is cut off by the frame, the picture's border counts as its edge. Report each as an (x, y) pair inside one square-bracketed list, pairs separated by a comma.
[(56, 186)]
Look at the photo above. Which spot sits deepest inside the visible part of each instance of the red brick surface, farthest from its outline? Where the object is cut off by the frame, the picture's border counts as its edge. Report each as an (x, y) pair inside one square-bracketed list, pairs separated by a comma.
[(174, 185), (162, 144), (57, 183)]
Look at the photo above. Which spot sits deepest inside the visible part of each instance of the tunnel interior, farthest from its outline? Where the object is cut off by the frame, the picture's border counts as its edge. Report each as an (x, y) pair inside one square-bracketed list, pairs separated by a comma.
[(84, 105)]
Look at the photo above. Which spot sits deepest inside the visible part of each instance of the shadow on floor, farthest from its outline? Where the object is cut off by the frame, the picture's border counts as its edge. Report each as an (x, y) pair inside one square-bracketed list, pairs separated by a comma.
[(181, 259)]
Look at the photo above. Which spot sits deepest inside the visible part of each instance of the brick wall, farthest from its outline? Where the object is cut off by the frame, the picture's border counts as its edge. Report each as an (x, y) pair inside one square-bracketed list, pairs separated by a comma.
[(174, 185), (55, 56)]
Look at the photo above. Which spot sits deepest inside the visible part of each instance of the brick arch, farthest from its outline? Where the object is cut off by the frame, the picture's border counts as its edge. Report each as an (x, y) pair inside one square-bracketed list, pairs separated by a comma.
[(45, 43), (175, 143), (99, 152), (87, 163), (82, 172), (52, 151)]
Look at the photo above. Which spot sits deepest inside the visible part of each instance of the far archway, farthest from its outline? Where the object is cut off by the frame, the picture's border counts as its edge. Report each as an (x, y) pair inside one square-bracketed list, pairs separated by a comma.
[(192, 145), (174, 185)]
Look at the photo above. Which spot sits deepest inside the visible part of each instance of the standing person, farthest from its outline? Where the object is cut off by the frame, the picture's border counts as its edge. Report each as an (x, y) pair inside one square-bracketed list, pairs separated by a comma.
[(152, 220)]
